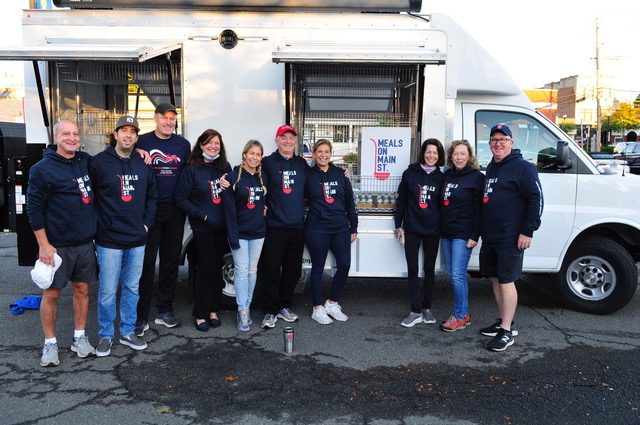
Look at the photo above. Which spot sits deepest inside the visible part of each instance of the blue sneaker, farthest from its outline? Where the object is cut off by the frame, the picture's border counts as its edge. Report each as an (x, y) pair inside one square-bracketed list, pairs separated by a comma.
[(243, 322), (167, 319)]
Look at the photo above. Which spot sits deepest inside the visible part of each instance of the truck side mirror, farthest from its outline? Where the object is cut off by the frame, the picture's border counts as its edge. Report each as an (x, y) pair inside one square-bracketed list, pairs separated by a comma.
[(563, 162)]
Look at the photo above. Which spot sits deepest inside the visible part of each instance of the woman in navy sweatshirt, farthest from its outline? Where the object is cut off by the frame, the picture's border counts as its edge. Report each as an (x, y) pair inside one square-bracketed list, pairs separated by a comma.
[(332, 223), (461, 215), (417, 220), (198, 194), (246, 226)]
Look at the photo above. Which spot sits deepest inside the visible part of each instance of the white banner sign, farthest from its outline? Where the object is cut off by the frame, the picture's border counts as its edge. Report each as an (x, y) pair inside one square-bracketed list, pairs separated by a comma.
[(385, 151)]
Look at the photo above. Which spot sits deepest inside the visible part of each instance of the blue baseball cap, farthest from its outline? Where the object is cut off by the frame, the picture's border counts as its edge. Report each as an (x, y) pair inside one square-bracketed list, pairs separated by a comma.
[(502, 128)]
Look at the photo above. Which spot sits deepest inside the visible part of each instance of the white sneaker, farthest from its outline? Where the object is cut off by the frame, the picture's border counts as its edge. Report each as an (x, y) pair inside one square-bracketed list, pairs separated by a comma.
[(320, 316), (335, 311)]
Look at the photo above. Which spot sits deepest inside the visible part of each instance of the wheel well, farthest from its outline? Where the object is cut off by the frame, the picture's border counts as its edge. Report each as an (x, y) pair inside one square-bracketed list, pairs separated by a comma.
[(626, 236)]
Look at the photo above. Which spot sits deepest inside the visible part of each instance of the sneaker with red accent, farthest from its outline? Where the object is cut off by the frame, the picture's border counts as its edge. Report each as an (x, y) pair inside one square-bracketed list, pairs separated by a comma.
[(452, 324)]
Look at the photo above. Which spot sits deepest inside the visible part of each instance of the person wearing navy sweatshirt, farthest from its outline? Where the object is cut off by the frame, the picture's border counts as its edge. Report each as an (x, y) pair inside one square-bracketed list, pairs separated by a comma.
[(126, 196), (198, 194), (280, 264), (512, 207), (169, 153), (417, 221), (331, 224), (461, 214), (246, 227), (60, 209)]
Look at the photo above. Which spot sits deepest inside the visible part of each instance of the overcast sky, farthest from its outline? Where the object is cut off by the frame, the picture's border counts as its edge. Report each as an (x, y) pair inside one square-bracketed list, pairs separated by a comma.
[(537, 42)]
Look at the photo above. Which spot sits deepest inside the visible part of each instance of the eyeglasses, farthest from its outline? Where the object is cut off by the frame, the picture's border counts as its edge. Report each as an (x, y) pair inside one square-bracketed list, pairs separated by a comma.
[(501, 141)]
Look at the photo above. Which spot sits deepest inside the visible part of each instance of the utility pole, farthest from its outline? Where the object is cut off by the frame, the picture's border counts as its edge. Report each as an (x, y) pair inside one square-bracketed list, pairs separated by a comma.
[(596, 146)]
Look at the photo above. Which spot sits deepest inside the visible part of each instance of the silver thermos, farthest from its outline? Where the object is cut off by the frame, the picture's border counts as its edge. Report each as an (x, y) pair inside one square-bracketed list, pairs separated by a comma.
[(288, 339)]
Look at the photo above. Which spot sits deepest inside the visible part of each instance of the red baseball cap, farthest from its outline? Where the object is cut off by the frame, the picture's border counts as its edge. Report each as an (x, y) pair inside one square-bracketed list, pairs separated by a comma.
[(284, 128)]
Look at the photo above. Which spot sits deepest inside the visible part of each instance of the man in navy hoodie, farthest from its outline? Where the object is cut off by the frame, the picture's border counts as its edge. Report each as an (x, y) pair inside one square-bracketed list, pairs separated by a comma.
[(125, 202), (512, 207), (61, 215), (280, 264), (169, 153)]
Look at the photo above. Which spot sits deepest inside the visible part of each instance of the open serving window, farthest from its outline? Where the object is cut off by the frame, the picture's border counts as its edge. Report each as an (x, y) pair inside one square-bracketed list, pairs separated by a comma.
[(350, 104)]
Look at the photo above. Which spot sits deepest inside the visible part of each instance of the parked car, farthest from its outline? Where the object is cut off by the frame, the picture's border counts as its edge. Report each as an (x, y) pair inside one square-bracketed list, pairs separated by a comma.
[(604, 159), (619, 147), (631, 154)]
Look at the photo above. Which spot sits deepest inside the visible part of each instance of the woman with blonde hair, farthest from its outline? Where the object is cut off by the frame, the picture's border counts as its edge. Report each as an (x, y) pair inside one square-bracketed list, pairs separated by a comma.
[(331, 224), (246, 226), (461, 213)]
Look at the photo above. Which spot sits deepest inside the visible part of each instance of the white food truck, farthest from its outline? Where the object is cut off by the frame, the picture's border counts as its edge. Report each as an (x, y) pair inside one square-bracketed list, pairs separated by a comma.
[(374, 77)]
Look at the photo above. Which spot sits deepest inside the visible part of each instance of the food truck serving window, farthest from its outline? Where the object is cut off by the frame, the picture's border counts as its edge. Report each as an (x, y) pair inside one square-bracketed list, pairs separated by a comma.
[(346, 103)]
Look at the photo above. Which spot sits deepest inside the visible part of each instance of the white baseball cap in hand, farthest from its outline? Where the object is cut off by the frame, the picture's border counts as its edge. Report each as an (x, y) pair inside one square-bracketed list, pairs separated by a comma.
[(42, 274)]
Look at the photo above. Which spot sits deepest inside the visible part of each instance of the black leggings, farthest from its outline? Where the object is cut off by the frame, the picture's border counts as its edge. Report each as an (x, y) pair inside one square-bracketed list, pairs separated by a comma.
[(430, 246)]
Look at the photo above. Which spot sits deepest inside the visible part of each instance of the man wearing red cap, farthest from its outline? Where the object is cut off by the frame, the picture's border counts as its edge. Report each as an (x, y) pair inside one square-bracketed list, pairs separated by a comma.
[(512, 206), (280, 264)]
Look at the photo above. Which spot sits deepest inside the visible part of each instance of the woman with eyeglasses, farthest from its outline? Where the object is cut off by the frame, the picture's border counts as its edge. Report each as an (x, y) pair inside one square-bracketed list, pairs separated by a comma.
[(417, 221), (461, 215)]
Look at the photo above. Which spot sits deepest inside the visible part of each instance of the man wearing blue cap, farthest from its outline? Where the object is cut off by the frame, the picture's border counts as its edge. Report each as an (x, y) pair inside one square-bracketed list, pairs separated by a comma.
[(512, 206)]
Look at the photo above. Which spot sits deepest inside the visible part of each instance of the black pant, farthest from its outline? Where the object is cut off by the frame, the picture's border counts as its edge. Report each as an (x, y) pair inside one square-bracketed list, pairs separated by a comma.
[(165, 235), (211, 247), (430, 246), (280, 267)]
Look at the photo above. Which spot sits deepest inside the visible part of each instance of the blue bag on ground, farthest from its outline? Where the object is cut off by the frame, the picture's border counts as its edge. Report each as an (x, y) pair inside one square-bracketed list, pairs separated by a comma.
[(31, 302)]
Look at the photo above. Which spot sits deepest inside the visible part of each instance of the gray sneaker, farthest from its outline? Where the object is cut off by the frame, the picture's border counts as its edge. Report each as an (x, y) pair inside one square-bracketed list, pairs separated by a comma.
[(50, 355), (411, 320), (104, 347), (428, 316), (133, 341), (82, 346), (287, 315), (243, 322), (269, 321), (167, 319)]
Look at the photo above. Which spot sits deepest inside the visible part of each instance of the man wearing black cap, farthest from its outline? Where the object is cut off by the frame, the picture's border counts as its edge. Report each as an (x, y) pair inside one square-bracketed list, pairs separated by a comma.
[(125, 203), (169, 153), (510, 214)]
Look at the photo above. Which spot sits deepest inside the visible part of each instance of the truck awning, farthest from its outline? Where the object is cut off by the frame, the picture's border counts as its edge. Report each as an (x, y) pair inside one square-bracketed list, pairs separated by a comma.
[(345, 52), (86, 52)]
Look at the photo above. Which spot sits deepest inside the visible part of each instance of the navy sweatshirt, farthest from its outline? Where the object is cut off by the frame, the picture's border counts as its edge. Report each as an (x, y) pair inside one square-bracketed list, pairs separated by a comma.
[(198, 194), (418, 202), (462, 204), (168, 157), (512, 199), (60, 199), (244, 207), (126, 197), (285, 193), (332, 207)]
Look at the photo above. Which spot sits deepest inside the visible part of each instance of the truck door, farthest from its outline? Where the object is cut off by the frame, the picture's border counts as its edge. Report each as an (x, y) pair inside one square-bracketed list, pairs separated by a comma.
[(93, 85), (537, 142)]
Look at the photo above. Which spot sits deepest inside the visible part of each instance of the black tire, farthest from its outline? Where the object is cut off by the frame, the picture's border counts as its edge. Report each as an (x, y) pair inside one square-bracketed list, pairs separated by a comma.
[(598, 276)]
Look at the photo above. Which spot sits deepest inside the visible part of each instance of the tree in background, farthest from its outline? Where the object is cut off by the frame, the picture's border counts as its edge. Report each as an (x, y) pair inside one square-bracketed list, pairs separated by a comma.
[(625, 117)]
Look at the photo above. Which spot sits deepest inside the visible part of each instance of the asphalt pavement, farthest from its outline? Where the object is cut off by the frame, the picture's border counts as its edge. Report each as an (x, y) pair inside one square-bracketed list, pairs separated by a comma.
[(564, 368)]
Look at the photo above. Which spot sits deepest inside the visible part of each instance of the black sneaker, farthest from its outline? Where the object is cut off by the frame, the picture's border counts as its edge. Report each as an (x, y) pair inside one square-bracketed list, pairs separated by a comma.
[(493, 329), (501, 341), (167, 319), (141, 327)]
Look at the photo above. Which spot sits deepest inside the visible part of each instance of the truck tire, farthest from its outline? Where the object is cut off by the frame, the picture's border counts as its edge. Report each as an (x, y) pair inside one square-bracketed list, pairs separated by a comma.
[(598, 276)]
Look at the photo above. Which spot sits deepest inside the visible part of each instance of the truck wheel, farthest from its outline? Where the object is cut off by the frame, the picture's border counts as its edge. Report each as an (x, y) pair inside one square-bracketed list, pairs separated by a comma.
[(597, 276)]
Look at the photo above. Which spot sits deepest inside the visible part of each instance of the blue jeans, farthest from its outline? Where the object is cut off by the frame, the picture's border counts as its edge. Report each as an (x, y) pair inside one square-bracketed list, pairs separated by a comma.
[(456, 257), (245, 261), (116, 264)]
